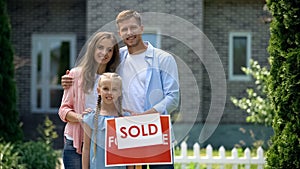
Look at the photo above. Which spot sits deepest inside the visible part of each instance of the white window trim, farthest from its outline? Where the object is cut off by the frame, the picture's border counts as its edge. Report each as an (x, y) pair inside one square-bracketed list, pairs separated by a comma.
[(155, 31), (248, 57), (45, 105)]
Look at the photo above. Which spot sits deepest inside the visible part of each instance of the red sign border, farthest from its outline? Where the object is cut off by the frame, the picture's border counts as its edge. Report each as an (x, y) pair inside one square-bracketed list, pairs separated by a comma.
[(166, 128)]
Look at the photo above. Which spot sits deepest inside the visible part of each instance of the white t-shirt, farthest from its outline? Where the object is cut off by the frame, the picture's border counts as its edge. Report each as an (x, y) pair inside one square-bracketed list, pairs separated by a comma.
[(133, 77), (92, 97)]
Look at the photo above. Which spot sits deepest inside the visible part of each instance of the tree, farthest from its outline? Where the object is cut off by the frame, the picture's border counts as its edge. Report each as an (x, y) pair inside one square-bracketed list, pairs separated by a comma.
[(10, 129), (257, 103), (284, 84)]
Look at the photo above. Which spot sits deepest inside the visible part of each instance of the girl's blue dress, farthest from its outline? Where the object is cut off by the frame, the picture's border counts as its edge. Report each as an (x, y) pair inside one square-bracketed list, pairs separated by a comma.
[(98, 161)]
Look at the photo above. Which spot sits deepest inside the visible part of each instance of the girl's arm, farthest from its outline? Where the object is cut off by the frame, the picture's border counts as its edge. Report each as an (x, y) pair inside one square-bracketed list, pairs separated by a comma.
[(86, 146)]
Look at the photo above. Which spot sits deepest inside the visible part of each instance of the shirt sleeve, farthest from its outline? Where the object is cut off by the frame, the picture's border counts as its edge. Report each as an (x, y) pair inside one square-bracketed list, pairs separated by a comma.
[(67, 103), (170, 85), (89, 119)]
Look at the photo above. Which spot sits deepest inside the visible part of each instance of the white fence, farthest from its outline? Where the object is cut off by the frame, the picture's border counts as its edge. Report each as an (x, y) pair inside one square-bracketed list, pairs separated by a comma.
[(221, 160)]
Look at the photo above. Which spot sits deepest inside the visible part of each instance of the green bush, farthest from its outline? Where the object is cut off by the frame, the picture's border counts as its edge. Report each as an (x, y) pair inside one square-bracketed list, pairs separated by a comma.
[(9, 159), (47, 131), (257, 104), (284, 86), (10, 129), (32, 154), (38, 155)]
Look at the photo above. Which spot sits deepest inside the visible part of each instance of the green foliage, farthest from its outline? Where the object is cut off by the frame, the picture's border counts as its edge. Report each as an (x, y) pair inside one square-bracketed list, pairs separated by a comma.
[(256, 104), (284, 84), (47, 131), (31, 154), (8, 158), (38, 155), (10, 129)]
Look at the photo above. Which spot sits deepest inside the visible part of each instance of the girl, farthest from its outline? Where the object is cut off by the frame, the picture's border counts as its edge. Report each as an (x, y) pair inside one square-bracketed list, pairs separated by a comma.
[(109, 105), (101, 55)]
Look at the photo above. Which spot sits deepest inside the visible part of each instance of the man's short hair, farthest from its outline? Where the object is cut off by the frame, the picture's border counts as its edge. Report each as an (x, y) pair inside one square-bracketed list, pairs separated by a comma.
[(127, 14)]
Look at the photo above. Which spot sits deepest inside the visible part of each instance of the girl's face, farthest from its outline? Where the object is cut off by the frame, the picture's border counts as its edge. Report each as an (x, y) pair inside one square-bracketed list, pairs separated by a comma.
[(110, 90), (104, 51)]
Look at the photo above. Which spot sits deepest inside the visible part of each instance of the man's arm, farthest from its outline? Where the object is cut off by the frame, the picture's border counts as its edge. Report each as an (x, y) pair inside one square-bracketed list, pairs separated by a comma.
[(164, 99), (66, 80)]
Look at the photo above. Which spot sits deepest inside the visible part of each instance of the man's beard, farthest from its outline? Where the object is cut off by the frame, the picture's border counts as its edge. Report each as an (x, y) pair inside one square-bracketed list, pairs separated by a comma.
[(136, 42)]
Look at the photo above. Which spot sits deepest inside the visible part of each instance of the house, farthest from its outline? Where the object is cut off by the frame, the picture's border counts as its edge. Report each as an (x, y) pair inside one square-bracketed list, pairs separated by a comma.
[(210, 39)]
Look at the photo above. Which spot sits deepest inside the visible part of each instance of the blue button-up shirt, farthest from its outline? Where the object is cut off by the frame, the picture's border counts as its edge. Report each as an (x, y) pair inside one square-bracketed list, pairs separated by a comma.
[(162, 84)]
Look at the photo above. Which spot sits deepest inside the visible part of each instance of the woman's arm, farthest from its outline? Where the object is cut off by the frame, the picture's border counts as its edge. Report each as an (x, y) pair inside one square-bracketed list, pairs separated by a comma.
[(86, 146), (74, 117)]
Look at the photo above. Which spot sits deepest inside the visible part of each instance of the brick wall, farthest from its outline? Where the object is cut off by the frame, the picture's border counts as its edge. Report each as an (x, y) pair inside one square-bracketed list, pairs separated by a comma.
[(215, 17), (103, 13), (220, 18), (41, 16)]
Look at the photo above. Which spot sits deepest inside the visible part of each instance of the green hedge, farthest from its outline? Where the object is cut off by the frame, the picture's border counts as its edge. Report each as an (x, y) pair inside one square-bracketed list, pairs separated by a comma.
[(10, 129), (284, 84)]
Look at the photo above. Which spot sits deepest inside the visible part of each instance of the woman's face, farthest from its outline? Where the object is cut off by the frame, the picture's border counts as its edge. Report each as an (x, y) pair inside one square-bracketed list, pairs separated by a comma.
[(104, 51)]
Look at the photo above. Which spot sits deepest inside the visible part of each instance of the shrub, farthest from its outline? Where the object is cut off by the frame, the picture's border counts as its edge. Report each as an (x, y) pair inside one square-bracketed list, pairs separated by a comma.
[(257, 104), (38, 155), (9, 159), (284, 86), (10, 129)]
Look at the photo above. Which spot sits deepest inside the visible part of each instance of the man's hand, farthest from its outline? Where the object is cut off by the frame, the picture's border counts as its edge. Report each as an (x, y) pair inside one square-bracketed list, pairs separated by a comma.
[(66, 80)]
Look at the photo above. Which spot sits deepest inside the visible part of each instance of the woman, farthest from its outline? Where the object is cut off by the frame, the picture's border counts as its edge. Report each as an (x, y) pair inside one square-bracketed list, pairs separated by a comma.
[(101, 55)]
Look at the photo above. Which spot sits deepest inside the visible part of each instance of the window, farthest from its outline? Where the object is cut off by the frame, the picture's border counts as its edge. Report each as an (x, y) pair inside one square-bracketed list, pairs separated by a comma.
[(52, 55), (239, 55), (152, 35)]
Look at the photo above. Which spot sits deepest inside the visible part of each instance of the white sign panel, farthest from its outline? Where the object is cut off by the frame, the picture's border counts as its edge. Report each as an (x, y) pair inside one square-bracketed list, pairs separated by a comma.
[(138, 131)]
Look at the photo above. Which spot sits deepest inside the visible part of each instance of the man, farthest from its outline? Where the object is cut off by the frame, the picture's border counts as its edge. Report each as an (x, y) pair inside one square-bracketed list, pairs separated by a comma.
[(150, 75)]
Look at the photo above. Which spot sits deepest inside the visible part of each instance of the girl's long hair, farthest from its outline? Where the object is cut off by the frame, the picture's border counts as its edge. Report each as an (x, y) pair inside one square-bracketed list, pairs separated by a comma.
[(87, 61)]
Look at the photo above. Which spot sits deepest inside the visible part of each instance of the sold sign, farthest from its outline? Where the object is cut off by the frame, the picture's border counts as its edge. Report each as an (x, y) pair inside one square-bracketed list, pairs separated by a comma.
[(154, 154), (142, 130)]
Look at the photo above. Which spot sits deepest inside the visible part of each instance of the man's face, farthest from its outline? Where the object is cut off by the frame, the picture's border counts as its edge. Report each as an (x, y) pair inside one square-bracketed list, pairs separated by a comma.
[(131, 32)]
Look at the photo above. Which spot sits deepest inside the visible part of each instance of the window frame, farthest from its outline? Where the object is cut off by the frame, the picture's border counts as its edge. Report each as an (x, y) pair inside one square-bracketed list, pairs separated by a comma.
[(155, 31), (46, 87), (231, 75)]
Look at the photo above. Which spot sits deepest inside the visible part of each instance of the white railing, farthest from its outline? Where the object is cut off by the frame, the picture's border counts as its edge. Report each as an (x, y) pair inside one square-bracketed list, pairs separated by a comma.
[(221, 160)]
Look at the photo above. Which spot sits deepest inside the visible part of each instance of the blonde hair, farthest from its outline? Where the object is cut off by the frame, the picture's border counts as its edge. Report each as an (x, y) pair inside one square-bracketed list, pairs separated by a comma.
[(127, 14), (115, 78), (88, 64)]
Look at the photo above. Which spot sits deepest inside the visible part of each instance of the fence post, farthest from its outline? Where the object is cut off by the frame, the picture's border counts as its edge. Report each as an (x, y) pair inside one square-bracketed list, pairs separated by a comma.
[(260, 156), (196, 148), (234, 156), (247, 157), (222, 156), (184, 154), (209, 155)]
